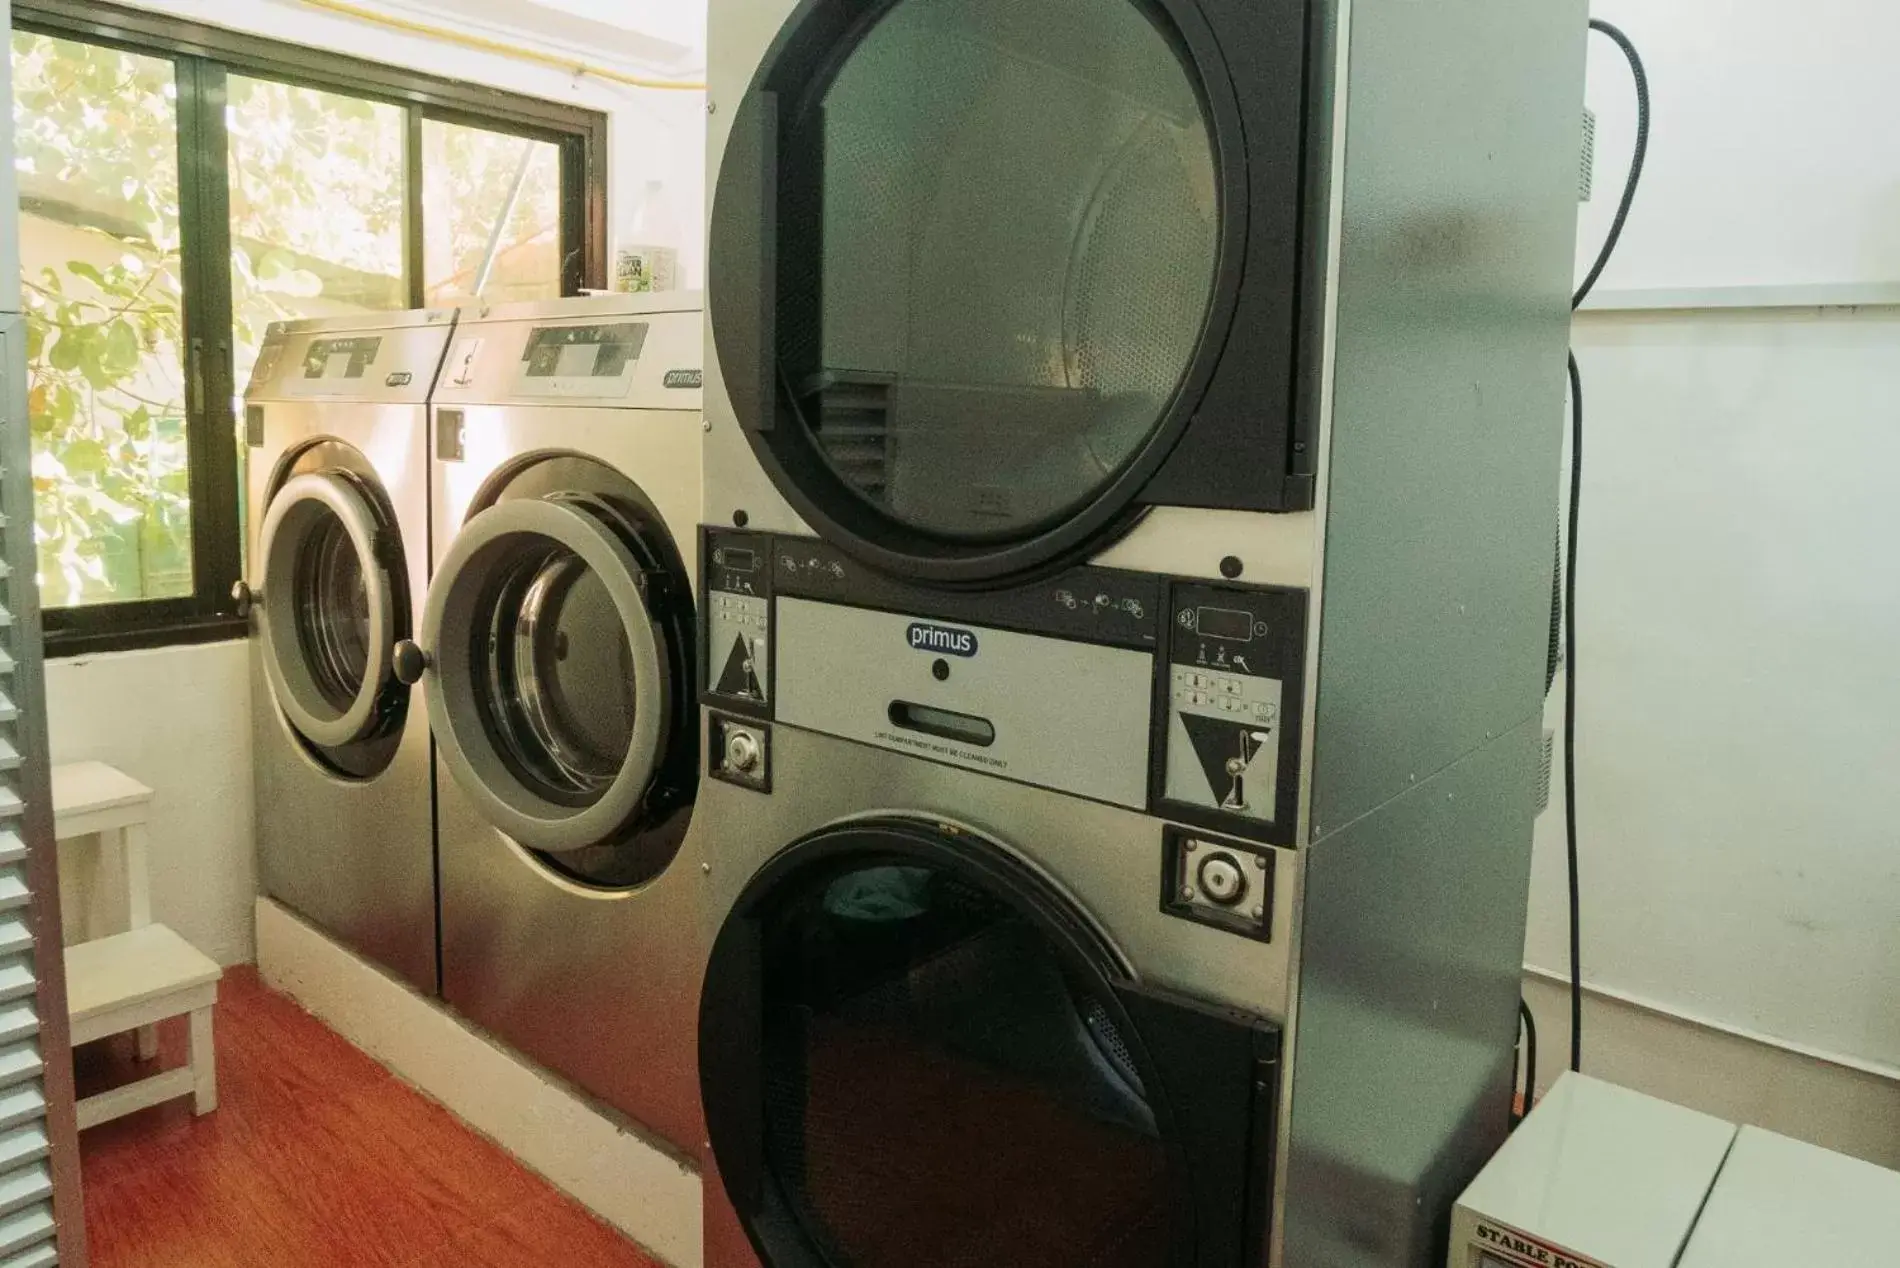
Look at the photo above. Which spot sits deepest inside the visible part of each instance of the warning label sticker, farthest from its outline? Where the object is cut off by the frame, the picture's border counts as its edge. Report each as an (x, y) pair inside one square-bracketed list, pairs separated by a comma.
[(1501, 1247)]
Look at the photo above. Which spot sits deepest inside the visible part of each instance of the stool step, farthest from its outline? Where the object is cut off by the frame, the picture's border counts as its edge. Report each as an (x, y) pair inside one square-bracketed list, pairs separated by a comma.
[(115, 974), (79, 787)]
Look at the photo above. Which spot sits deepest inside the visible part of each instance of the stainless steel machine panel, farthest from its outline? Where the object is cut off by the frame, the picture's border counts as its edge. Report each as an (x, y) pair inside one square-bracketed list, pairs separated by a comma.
[(1106, 858), (381, 358), (345, 834), (596, 983), (1068, 716), (624, 351)]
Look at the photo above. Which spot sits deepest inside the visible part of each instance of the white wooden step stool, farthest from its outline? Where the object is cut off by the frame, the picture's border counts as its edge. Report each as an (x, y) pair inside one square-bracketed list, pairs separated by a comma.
[(135, 979)]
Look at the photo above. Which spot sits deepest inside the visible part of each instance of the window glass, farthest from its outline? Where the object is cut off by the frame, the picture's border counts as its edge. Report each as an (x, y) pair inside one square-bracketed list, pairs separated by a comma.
[(96, 157), (491, 206), (316, 184), (999, 256)]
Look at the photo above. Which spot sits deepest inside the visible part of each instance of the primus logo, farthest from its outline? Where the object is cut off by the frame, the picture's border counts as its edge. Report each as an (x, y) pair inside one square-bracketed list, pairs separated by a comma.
[(925, 637), (682, 378)]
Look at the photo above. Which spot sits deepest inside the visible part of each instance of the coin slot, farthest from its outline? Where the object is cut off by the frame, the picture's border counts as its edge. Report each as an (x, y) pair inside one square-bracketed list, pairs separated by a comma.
[(963, 728)]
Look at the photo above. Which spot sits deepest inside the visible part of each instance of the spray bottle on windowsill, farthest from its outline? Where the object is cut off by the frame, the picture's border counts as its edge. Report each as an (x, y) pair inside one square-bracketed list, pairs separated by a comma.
[(646, 257)]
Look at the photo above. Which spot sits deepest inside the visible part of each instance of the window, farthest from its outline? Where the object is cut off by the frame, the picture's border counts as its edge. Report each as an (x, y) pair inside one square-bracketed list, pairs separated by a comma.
[(497, 199), (182, 187), (316, 221), (96, 157)]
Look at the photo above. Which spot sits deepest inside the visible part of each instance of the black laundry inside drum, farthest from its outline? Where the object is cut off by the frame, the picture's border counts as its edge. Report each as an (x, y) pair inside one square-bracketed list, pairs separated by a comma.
[(332, 612), (999, 233), (941, 1094)]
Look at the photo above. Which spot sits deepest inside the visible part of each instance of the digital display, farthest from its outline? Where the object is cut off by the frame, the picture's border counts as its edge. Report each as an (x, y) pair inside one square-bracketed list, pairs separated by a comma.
[(584, 352), (1227, 623), (738, 560)]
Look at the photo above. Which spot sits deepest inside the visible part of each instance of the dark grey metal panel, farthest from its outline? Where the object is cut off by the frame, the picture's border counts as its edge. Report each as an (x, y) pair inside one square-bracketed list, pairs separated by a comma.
[(26, 788), (1412, 940), (1459, 217)]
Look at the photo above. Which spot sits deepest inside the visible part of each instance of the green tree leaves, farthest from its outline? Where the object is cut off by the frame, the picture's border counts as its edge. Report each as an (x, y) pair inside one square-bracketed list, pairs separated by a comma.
[(97, 155)]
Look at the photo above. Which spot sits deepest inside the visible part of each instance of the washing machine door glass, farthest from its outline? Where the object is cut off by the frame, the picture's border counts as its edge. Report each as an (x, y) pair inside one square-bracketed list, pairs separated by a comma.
[(552, 688), (913, 1052), (329, 611), (998, 231)]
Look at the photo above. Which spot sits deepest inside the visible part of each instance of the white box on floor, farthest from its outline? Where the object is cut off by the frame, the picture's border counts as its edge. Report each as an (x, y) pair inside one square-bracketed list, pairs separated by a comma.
[(1780, 1202), (1596, 1177)]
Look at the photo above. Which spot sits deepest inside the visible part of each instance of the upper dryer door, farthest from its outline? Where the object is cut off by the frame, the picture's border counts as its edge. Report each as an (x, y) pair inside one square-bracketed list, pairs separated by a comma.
[(559, 631), (333, 603), (975, 263)]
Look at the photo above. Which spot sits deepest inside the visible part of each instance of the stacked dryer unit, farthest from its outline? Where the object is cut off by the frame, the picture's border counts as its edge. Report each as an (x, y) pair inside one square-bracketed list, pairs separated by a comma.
[(336, 420), (557, 651), (1125, 580)]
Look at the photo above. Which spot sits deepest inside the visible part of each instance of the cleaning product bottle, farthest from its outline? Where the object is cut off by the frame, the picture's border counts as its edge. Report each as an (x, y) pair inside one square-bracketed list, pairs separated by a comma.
[(647, 257)]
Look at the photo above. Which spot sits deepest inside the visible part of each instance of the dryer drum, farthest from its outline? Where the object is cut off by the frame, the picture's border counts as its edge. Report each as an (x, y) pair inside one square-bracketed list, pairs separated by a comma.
[(1006, 249), (950, 1068)]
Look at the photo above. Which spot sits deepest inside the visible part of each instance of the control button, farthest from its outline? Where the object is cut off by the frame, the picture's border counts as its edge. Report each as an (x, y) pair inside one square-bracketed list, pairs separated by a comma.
[(1201, 680), (1267, 712), (1198, 698), (742, 750), (1220, 878), (1230, 686)]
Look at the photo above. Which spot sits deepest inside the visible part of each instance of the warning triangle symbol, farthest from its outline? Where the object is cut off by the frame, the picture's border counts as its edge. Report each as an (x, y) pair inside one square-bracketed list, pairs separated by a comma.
[(738, 678), (1215, 740)]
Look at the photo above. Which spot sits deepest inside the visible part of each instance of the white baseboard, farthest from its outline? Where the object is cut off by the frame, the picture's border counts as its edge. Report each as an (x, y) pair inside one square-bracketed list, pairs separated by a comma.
[(1733, 1076), (599, 1160)]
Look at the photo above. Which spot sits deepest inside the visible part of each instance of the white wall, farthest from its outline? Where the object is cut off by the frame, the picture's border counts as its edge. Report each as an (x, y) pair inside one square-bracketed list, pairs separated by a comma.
[(179, 721), (1774, 159), (1740, 603)]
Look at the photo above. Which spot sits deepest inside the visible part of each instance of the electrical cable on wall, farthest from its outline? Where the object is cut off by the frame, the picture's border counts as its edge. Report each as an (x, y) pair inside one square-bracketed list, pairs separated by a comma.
[(1641, 152)]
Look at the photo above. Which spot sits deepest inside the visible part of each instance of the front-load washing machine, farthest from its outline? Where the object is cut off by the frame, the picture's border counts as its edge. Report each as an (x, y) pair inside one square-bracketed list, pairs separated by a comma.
[(557, 646), (337, 431), (1131, 467)]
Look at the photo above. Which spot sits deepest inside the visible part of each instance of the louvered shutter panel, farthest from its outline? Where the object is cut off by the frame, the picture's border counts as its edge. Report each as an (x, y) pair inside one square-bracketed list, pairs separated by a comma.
[(35, 1062), (39, 1158)]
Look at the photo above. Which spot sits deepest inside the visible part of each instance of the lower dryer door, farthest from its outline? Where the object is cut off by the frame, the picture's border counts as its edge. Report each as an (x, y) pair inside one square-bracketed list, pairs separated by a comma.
[(557, 681), (914, 1051)]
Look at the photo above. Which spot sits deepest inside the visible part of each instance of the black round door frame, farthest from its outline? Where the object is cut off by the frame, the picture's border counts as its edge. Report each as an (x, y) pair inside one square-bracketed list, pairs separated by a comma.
[(730, 1050), (812, 46)]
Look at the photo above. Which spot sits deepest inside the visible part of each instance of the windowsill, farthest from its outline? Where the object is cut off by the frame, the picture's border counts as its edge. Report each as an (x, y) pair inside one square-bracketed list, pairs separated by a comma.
[(175, 633)]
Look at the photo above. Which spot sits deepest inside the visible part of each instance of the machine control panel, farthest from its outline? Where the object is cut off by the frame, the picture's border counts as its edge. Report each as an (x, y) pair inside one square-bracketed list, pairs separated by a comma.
[(1091, 605), (591, 361), (737, 666), (1234, 671), (1178, 697)]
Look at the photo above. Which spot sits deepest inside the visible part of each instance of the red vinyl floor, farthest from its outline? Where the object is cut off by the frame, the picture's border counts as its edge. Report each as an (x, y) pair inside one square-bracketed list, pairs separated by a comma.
[(316, 1156)]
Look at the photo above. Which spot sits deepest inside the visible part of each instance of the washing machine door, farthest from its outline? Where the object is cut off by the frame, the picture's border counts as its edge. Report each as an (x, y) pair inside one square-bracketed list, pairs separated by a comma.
[(555, 679), (914, 1051), (331, 585), (973, 264)]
